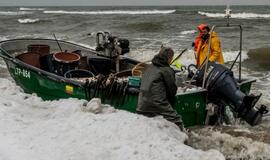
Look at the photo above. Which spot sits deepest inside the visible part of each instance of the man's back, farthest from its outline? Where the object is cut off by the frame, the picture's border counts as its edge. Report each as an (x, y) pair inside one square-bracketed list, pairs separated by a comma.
[(158, 88), (154, 95)]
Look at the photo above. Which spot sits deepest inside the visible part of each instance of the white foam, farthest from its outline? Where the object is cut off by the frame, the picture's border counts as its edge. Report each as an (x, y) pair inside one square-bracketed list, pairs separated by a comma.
[(28, 20), (186, 59), (231, 55), (189, 57), (247, 147), (3, 38), (31, 9), (40, 130), (146, 55), (211, 14), (188, 32), (11, 13), (2, 65), (243, 15), (18, 36), (142, 54), (112, 12)]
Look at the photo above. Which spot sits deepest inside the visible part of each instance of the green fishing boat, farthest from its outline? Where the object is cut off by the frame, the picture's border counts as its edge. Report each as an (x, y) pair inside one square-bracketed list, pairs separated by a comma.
[(25, 57), (55, 69)]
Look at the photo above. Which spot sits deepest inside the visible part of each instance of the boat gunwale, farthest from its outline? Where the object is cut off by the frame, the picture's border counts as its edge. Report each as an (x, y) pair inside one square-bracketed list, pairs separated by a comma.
[(46, 39), (247, 80), (200, 90)]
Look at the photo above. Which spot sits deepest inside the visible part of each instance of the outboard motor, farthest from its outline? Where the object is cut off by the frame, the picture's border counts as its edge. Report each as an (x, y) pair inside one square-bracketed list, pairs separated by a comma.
[(108, 44), (123, 44), (222, 88)]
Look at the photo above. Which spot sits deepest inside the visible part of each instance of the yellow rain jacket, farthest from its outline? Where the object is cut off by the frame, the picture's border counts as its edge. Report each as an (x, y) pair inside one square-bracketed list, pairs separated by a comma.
[(215, 50)]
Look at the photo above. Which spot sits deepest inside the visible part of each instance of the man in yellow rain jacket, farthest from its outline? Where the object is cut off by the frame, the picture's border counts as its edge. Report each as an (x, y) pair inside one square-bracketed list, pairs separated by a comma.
[(202, 44)]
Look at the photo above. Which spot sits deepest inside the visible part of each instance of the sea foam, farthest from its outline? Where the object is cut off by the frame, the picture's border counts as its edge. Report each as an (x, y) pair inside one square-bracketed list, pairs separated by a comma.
[(112, 12), (188, 32), (28, 20), (12, 13), (31, 9), (243, 15)]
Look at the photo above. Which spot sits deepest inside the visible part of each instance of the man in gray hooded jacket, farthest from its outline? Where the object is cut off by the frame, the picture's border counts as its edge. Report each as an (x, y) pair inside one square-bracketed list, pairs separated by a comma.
[(158, 88)]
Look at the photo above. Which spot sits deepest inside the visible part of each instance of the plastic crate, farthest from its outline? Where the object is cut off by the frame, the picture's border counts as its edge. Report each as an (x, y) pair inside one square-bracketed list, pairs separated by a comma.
[(134, 81)]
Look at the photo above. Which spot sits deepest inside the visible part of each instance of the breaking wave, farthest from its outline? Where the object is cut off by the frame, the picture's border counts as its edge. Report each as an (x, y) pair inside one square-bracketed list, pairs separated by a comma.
[(10, 13), (28, 20), (259, 58), (113, 12), (31, 9), (231, 55), (243, 15)]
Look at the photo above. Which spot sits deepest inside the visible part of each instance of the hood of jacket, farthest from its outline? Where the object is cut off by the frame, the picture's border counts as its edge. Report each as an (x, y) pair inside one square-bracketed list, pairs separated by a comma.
[(161, 59), (201, 27)]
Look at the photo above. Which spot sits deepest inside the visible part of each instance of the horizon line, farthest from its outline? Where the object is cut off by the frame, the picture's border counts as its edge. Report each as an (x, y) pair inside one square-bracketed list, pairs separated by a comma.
[(132, 5)]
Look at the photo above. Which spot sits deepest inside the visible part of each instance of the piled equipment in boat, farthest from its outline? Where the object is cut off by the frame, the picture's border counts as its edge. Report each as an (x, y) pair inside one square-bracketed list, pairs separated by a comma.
[(38, 55), (223, 90), (111, 87), (35, 55), (100, 82), (105, 62)]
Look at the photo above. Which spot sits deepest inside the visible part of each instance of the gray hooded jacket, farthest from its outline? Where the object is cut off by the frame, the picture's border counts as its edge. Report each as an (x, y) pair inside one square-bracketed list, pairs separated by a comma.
[(158, 89)]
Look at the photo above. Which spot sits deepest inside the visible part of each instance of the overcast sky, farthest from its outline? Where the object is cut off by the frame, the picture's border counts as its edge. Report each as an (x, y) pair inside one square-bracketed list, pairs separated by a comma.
[(128, 2)]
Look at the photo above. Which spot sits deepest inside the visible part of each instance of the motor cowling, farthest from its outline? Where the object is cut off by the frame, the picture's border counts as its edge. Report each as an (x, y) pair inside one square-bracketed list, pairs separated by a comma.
[(124, 45), (223, 89)]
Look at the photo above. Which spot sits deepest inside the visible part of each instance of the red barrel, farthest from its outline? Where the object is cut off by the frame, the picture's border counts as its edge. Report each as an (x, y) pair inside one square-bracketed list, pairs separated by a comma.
[(64, 61), (41, 49), (30, 58)]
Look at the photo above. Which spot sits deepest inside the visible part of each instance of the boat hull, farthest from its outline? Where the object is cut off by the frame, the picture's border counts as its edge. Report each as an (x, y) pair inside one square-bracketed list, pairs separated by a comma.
[(191, 106)]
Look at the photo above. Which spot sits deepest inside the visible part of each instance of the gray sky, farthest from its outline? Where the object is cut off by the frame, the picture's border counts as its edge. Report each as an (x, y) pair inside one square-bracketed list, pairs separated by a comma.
[(128, 2)]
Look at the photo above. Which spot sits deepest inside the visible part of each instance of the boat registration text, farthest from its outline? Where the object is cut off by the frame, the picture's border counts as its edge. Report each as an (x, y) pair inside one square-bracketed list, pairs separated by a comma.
[(22, 72)]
